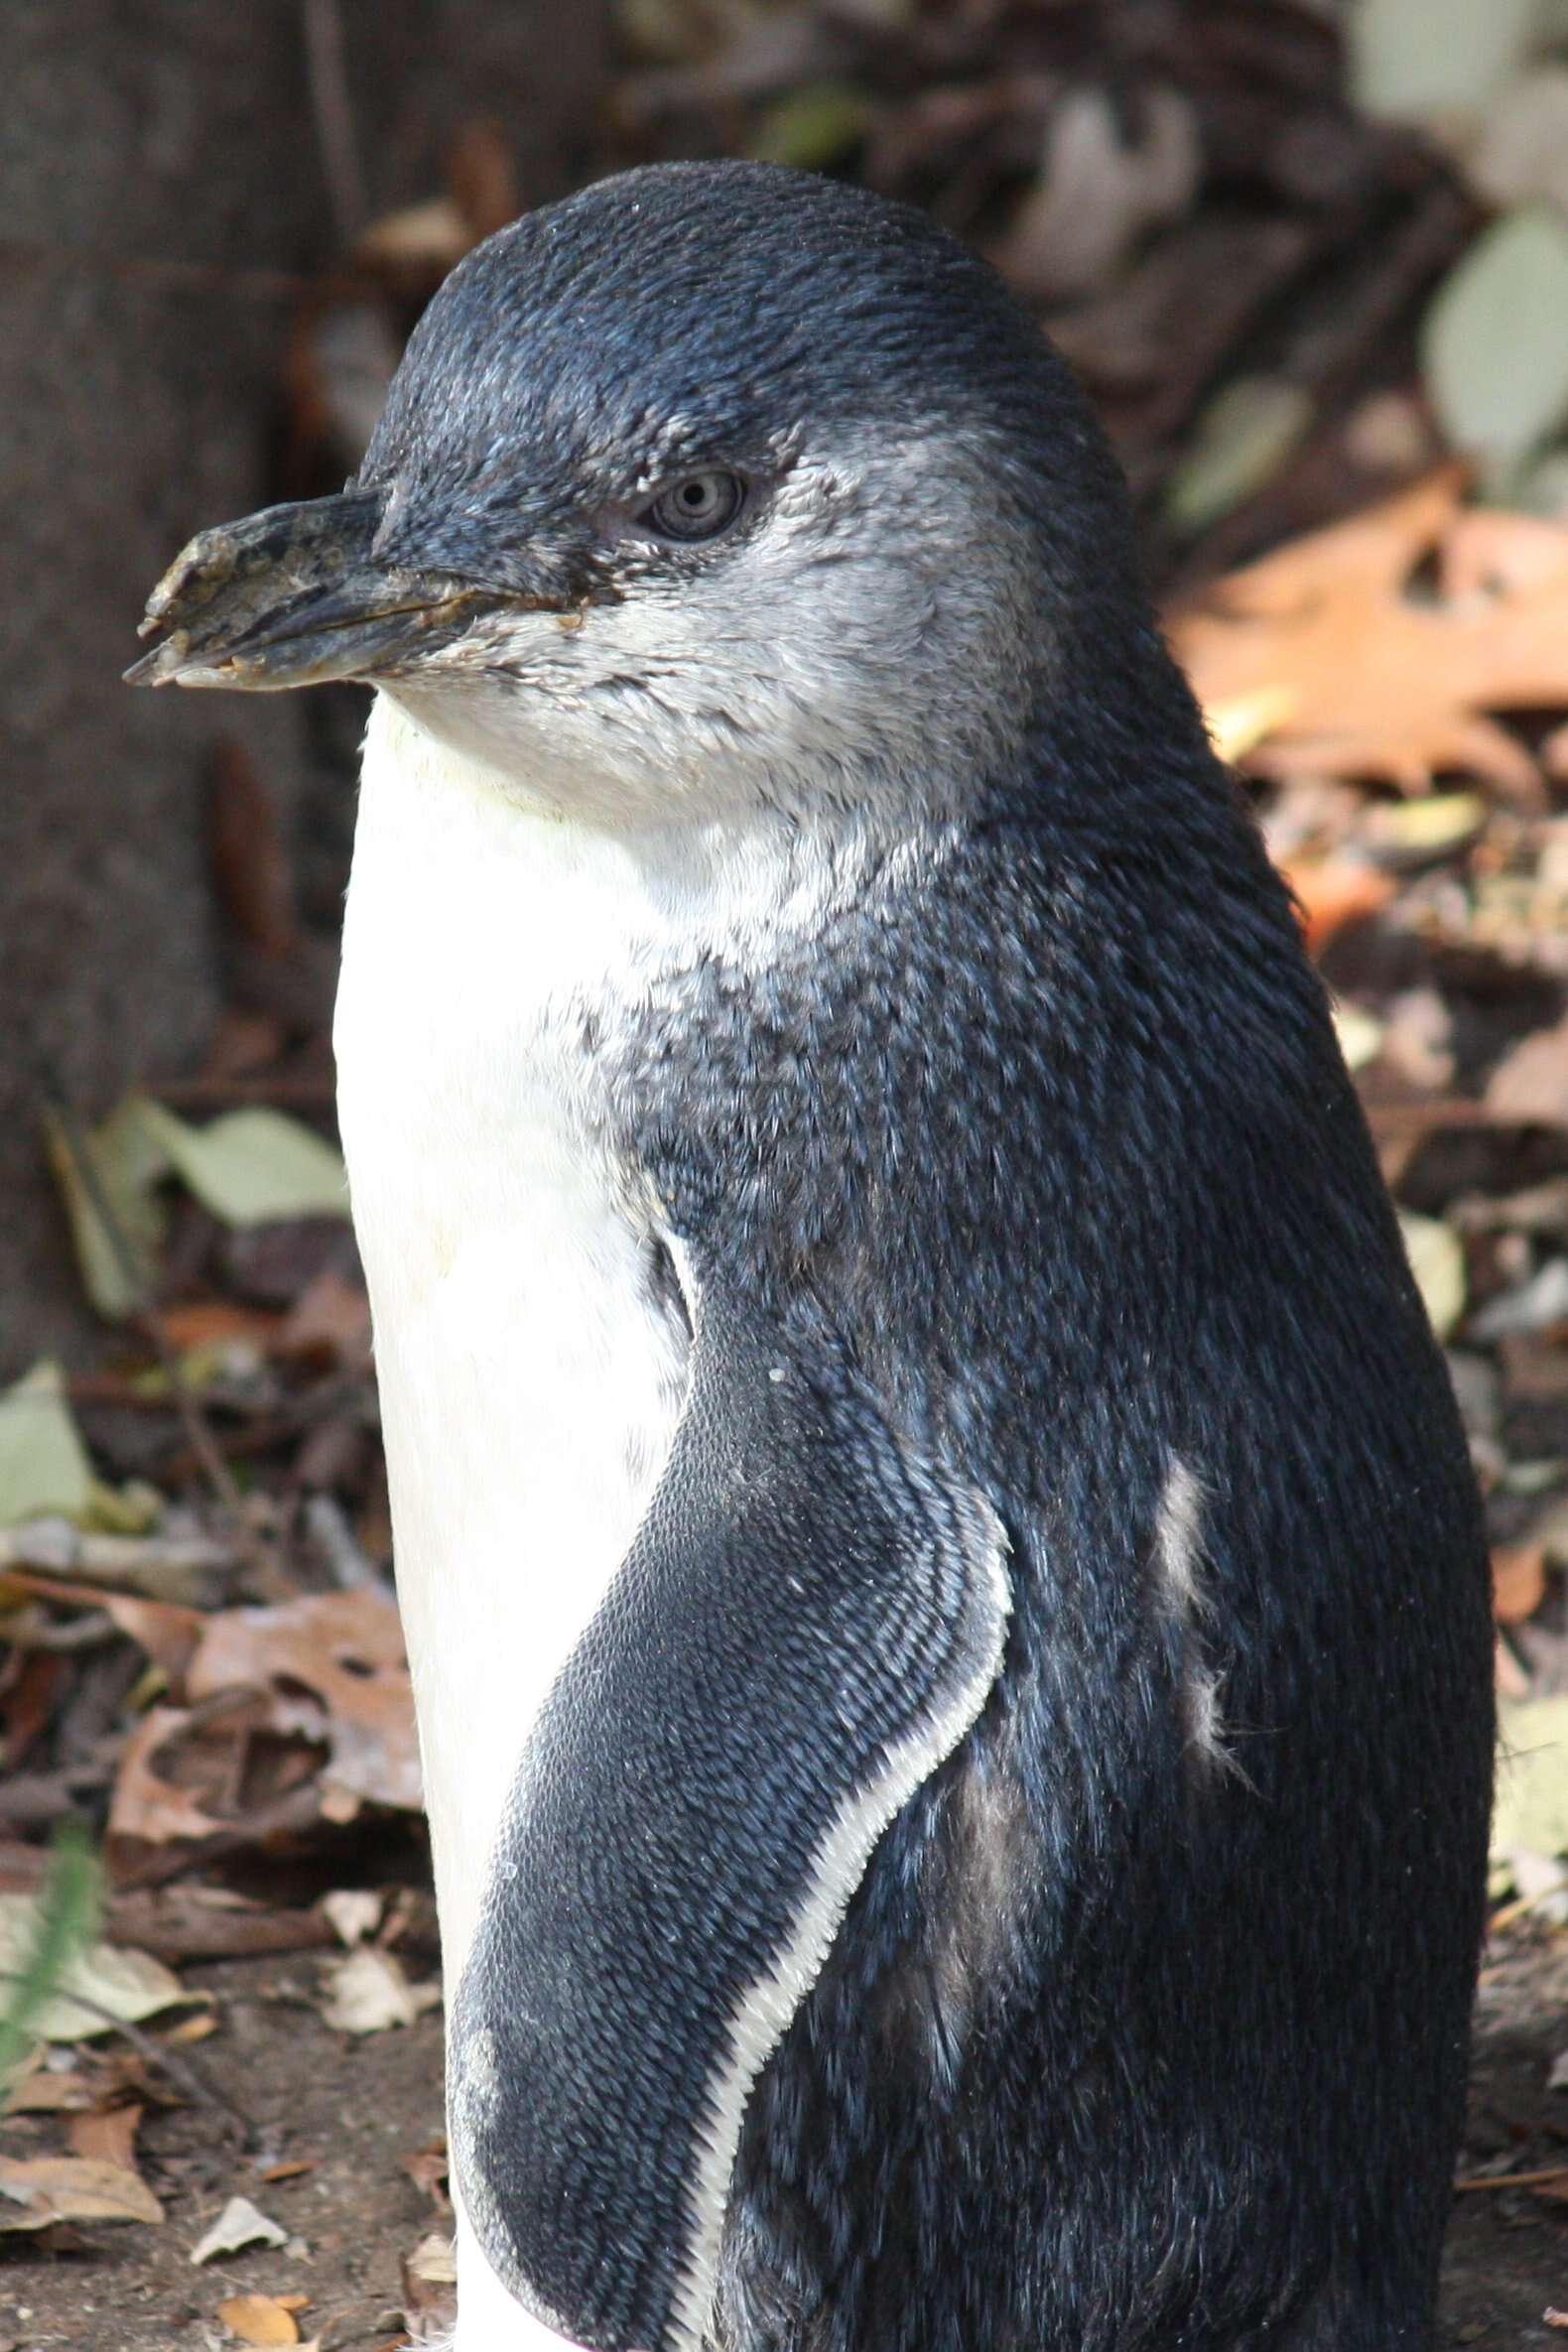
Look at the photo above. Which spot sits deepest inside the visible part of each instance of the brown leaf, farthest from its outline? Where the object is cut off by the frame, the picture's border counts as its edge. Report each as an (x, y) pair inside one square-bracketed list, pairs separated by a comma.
[(37, 2191), (1530, 1084), (348, 1648), (43, 2092), (329, 1325), (166, 1630), (429, 2289), (208, 1322), (481, 175), (260, 2318), (1332, 891), (427, 2168), (1388, 684), (107, 2134), (1518, 1580), (146, 1804)]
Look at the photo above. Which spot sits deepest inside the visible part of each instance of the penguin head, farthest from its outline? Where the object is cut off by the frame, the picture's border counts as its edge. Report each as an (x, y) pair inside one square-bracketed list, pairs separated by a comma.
[(715, 486)]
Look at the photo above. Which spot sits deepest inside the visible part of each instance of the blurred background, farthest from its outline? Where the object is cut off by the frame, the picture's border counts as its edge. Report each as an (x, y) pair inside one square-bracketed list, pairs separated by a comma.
[(1310, 258)]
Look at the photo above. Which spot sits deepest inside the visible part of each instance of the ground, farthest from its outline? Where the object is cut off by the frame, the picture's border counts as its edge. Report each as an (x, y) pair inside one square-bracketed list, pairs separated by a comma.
[(355, 2110)]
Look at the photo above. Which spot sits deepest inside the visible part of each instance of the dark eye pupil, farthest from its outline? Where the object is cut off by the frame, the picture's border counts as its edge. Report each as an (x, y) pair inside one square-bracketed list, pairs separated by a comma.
[(697, 508)]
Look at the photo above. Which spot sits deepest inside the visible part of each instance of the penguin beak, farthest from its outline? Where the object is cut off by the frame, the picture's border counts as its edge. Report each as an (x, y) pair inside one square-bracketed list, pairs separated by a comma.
[(293, 596)]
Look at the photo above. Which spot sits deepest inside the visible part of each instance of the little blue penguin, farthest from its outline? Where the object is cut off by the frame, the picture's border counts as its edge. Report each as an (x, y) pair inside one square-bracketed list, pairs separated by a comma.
[(946, 1595)]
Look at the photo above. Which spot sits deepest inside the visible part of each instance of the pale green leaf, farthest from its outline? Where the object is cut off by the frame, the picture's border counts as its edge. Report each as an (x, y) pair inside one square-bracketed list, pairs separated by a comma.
[(251, 1166), (1530, 1815), (1495, 341), (128, 1985), (1417, 58), (120, 1182), (1245, 432), (1437, 1261), (1412, 831), (1361, 1036), (62, 1917), (810, 128), (44, 1465)]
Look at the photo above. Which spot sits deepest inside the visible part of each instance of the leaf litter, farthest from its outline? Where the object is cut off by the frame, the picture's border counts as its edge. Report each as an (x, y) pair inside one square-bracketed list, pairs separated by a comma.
[(193, 1536)]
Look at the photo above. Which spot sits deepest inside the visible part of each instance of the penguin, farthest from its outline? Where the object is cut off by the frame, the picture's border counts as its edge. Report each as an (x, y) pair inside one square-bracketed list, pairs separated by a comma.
[(945, 1590)]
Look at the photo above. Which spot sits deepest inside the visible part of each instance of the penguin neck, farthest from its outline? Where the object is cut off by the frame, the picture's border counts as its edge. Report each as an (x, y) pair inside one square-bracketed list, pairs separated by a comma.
[(597, 911)]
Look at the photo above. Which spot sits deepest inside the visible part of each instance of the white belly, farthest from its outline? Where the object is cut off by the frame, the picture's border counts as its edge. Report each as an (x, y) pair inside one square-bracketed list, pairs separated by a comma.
[(529, 1385)]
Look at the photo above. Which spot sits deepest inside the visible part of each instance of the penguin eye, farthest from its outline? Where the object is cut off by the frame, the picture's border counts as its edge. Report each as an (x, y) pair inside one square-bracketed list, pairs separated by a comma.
[(697, 507)]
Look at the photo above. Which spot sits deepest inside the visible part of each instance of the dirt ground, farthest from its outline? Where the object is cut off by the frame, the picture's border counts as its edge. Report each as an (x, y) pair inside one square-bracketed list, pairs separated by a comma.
[(355, 2110)]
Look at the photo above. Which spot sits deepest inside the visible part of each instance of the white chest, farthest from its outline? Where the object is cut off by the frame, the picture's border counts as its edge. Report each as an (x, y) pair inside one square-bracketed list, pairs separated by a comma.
[(530, 1383)]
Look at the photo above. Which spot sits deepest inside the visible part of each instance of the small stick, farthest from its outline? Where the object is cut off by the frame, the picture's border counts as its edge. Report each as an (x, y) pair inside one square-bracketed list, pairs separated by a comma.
[(334, 120), (1540, 2179)]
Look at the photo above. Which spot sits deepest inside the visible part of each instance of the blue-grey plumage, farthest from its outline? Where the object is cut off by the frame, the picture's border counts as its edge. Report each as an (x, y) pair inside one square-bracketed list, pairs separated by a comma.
[(946, 1589)]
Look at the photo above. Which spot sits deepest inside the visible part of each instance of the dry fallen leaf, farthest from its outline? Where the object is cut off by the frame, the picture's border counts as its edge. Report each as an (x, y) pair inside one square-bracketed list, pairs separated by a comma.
[(147, 1804), (260, 2318), (44, 1465), (328, 1325), (107, 2134), (1531, 1813), (348, 1648), (119, 1984), (43, 2092), (325, 1671), (1437, 1261), (429, 2287), (355, 1911), (1531, 1083), (239, 2225), (428, 2170), (369, 1992), (1519, 1582), (1335, 890), (1387, 683), (37, 2191)]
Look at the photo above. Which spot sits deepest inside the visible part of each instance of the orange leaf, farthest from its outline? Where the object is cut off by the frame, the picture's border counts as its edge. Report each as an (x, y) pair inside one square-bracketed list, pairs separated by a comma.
[(347, 1647), (108, 2134), (1334, 891), (1519, 1582), (1379, 681), (259, 2319), (208, 1322), (37, 2191)]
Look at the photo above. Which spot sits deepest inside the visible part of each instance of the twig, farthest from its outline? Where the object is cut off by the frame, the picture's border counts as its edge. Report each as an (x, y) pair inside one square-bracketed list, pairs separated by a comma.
[(196, 2084), (297, 1810), (334, 120), (131, 1561), (1521, 1906), (1514, 2181)]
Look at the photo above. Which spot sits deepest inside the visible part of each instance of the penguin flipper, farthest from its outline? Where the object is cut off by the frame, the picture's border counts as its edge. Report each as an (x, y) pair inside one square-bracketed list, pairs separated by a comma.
[(808, 1620)]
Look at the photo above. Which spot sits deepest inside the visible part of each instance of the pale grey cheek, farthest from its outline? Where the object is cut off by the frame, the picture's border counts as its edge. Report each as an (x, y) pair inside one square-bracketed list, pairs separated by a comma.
[(823, 661)]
